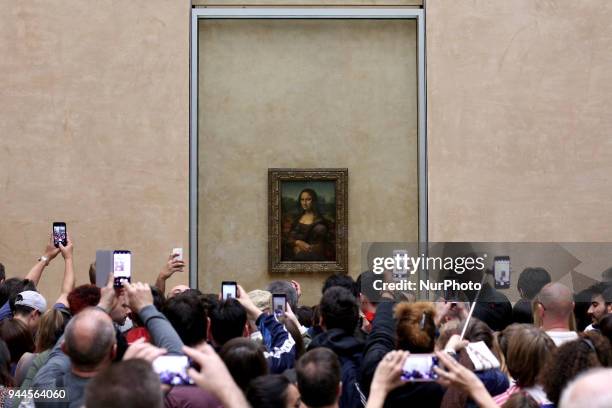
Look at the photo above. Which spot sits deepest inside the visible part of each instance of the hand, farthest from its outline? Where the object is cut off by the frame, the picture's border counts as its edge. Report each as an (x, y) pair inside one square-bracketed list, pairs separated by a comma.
[(455, 343), (172, 266), (143, 350), (301, 246), (298, 288), (253, 311), (139, 295), (291, 316), (388, 373), (108, 295), (456, 375), (214, 376), (67, 250), (51, 251)]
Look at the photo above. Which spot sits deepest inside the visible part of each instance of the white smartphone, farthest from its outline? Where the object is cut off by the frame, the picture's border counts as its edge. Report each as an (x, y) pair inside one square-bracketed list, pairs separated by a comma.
[(179, 252), (229, 289), (122, 267), (501, 267), (279, 303), (172, 370), (420, 368)]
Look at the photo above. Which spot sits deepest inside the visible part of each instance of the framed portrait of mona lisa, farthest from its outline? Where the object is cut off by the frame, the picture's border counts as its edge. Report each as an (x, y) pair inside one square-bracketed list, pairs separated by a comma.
[(307, 220)]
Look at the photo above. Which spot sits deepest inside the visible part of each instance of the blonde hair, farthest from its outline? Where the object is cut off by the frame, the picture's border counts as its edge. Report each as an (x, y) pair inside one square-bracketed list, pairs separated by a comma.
[(52, 325)]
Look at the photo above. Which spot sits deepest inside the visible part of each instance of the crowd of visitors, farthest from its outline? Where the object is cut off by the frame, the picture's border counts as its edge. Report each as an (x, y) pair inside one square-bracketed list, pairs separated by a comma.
[(152, 347)]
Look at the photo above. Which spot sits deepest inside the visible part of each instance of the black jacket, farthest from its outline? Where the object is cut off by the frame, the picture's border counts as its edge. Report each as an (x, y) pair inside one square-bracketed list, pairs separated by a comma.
[(349, 351)]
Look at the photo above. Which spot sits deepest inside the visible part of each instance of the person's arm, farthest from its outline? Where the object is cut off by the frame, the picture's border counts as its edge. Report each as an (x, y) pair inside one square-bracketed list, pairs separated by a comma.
[(386, 377), (380, 341), (172, 266), (68, 281), (280, 345), (162, 333), (36, 272), (214, 377)]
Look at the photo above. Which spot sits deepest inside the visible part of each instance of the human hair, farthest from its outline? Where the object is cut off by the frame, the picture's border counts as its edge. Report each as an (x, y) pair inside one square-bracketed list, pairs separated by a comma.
[(342, 280), (12, 287), (605, 326), (22, 310), (92, 273), (83, 296), (415, 329), (365, 285), (18, 338), (130, 383), (305, 315), (318, 377), (532, 280), (582, 302), (285, 288), (521, 400), (186, 313), (339, 309), (87, 355), (2, 272), (245, 361), (227, 321), (528, 350), (607, 295), (6, 378), (51, 327), (599, 288), (268, 391), (572, 358)]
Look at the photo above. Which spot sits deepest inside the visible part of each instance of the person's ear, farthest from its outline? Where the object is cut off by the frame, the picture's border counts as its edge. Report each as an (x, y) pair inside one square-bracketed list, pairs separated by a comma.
[(245, 330)]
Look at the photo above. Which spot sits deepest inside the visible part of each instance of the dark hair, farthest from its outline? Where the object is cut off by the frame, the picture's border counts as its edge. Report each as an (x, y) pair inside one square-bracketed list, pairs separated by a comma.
[(92, 273), (285, 288), (209, 301), (129, 383), (341, 280), (227, 321), (188, 317), (415, 329), (268, 391), (83, 296), (5, 366), (2, 272), (12, 287), (605, 325), (607, 295), (88, 355), (599, 288), (23, 310), (582, 301), (318, 377), (305, 315), (51, 327), (532, 280), (365, 285), (18, 338), (572, 358), (339, 309), (245, 361)]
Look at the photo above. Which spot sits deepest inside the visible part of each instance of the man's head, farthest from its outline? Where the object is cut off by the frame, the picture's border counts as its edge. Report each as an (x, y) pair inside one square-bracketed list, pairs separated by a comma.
[(554, 306), (285, 288), (598, 306), (130, 383), (318, 378), (90, 341), (368, 296), (227, 321), (29, 307), (83, 296), (12, 287), (531, 281), (187, 315), (176, 290), (341, 280), (592, 389), (121, 311), (339, 310)]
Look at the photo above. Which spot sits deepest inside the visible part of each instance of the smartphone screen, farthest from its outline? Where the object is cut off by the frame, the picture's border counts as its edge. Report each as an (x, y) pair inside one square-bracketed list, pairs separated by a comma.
[(228, 290), (501, 267), (420, 368), (172, 370), (122, 267), (279, 304), (179, 253), (59, 234)]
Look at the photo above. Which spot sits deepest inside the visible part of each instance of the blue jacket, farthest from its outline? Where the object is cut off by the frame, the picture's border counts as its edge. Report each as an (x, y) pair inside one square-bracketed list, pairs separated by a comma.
[(278, 342)]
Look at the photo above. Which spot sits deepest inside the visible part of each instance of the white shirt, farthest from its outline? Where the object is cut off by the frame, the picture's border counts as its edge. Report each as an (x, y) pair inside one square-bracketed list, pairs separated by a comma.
[(560, 337)]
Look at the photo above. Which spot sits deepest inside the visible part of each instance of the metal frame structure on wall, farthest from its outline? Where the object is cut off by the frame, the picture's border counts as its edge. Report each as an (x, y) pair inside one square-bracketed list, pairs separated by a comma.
[(300, 13)]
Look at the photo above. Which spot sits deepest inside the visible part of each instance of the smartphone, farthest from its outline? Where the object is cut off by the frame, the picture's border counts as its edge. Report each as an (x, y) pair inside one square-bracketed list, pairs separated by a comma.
[(59, 234), (122, 268), (104, 266), (228, 290), (279, 303), (420, 368), (172, 370), (501, 270), (179, 252)]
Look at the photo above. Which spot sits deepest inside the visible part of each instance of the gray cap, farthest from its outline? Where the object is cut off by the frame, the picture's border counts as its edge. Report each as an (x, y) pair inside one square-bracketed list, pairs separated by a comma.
[(31, 299)]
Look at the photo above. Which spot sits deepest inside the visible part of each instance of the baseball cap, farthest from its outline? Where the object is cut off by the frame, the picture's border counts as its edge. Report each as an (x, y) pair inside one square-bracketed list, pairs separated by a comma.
[(31, 299)]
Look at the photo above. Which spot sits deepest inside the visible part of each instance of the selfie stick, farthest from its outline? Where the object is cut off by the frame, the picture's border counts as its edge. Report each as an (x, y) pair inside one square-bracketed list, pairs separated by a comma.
[(467, 321)]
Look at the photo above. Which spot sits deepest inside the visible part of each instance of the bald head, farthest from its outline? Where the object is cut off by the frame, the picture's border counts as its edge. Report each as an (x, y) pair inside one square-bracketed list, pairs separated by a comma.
[(557, 299), (591, 388), (90, 339)]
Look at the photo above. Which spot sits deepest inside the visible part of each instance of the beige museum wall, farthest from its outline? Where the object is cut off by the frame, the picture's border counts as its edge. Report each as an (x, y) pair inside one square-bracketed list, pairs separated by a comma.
[(94, 105), (519, 96)]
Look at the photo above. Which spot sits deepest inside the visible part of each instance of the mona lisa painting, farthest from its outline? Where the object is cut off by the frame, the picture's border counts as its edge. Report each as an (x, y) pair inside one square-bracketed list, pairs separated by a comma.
[(307, 220)]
